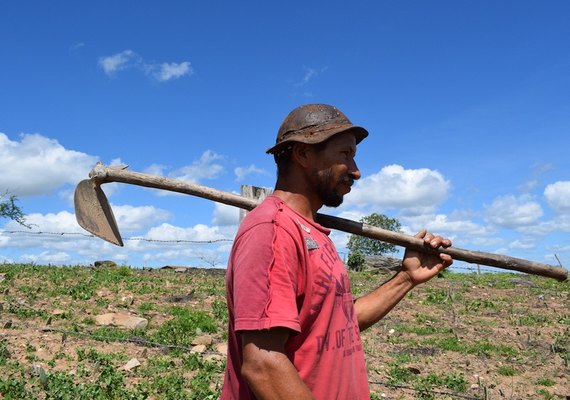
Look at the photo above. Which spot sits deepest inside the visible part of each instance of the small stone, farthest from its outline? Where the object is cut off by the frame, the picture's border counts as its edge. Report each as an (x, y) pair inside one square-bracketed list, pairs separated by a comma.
[(222, 348), (198, 349), (131, 364), (105, 264), (214, 357), (204, 339), (127, 300), (58, 312), (122, 320)]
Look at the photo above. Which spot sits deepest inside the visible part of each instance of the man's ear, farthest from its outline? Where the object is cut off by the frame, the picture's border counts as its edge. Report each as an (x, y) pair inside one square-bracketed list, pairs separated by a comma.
[(301, 154)]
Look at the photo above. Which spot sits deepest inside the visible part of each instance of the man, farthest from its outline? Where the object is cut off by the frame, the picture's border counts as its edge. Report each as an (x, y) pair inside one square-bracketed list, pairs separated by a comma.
[(294, 328)]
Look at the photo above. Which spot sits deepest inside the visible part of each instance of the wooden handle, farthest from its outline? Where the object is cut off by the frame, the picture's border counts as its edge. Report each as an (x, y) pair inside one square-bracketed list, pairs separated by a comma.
[(474, 257), (102, 174)]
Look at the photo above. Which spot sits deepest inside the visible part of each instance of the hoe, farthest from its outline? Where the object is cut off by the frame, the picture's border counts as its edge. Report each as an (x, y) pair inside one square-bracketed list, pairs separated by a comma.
[(95, 215)]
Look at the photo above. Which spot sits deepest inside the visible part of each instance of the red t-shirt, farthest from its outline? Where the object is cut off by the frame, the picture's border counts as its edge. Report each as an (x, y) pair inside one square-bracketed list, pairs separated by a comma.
[(284, 271)]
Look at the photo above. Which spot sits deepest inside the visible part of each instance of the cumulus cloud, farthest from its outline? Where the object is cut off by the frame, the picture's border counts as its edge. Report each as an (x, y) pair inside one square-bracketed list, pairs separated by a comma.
[(225, 215), (242, 172), (199, 232), (513, 212), (558, 196), (37, 165), (523, 244), (161, 72), (133, 219), (168, 71), (118, 62), (396, 187), (57, 238), (206, 167)]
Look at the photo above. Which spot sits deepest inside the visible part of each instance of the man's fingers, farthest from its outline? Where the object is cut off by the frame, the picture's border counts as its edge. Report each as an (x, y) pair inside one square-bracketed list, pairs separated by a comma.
[(433, 241), (446, 259), (421, 234)]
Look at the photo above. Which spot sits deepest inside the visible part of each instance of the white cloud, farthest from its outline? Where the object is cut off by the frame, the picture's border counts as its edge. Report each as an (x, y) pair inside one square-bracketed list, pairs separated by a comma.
[(155, 169), (204, 168), (38, 165), (558, 196), (513, 212), (162, 72), (461, 230), (310, 73), (132, 219), (199, 232), (76, 46), (169, 71), (242, 172), (523, 244), (395, 187), (225, 215), (118, 62)]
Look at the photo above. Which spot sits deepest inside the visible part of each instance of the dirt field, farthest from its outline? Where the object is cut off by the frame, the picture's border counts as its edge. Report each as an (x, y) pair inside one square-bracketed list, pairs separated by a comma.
[(490, 336)]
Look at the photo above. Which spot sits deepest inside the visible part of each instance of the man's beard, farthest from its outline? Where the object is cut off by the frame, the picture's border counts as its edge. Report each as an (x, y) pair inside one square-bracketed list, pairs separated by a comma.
[(326, 190)]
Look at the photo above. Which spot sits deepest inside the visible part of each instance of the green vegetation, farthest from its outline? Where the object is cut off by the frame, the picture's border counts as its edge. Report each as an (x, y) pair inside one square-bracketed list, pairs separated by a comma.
[(360, 246), (9, 209), (433, 345)]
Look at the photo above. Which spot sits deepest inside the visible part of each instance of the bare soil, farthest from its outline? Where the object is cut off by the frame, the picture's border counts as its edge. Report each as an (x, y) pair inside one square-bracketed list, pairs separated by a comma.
[(505, 336)]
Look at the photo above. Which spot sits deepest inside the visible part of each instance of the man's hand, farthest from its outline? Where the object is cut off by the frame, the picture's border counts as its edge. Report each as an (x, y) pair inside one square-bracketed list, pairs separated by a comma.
[(421, 267)]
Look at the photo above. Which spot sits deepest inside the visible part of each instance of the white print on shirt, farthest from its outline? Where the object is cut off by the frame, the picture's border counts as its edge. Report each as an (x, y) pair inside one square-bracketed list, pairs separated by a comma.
[(345, 338)]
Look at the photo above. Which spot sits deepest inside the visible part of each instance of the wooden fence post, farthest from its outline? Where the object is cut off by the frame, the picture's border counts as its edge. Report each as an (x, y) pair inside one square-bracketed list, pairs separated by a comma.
[(252, 192)]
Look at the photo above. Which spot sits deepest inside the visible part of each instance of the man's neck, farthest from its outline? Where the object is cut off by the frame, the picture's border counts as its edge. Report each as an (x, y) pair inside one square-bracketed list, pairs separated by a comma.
[(297, 201)]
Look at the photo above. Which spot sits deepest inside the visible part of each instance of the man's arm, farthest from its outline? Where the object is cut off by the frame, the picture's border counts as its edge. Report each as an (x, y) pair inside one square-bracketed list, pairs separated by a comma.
[(417, 268), (267, 370)]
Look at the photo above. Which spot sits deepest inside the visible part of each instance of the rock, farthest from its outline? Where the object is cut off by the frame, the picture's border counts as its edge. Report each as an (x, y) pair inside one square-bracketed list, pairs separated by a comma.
[(521, 281), (105, 263), (198, 349), (206, 340), (58, 312), (131, 364), (127, 300), (181, 298), (382, 264), (214, 357), (121, 320), (222, 348)]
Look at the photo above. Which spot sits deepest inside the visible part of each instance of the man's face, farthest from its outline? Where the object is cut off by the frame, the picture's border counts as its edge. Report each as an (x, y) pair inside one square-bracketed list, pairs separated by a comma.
[(335, 170)]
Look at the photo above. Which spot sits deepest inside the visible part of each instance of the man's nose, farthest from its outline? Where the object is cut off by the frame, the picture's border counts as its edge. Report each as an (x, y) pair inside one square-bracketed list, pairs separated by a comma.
[(354, 171)]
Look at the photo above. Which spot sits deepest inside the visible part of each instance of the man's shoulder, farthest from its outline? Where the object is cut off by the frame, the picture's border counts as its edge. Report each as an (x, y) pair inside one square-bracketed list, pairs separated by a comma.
[(271, 210)]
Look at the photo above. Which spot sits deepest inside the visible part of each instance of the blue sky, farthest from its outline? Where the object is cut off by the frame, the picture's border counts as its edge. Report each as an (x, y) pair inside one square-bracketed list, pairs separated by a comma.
[(467, 104)]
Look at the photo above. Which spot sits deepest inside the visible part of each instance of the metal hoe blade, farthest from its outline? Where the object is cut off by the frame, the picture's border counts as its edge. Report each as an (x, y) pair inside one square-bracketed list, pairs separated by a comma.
[(93, 212)]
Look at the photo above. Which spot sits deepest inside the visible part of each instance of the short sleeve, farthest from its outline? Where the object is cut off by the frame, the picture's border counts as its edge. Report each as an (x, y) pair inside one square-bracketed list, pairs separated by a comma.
[(265, 266)]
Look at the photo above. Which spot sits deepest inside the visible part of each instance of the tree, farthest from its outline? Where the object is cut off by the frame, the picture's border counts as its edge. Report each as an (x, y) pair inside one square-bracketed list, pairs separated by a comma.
[(9, 209), (360, 246)]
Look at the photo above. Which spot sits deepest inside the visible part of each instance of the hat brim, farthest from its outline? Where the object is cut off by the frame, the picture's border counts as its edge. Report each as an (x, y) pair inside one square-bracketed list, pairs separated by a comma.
[(359, 132)]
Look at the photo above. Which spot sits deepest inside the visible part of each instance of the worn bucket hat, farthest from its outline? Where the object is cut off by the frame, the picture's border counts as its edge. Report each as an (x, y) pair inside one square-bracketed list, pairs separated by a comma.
[(314, 123)]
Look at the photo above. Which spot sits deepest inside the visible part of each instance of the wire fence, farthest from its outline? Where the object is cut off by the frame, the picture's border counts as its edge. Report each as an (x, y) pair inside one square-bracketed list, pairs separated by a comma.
[(463, 267), (136, 238)]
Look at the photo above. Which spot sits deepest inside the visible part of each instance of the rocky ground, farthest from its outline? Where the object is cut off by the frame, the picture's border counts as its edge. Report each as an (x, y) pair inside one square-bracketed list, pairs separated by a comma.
[(117, 332)]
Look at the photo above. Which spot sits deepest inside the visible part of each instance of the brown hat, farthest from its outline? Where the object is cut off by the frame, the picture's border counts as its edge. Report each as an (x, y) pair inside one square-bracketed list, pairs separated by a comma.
[(314, 123)]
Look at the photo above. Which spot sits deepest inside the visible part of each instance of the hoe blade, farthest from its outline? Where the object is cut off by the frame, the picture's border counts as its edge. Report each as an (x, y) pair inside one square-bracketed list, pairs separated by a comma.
[(93, 212)]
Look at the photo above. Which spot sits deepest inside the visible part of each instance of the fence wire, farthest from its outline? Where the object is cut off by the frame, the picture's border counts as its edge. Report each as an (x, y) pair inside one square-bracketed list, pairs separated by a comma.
[(136, 238), (462, 267)]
